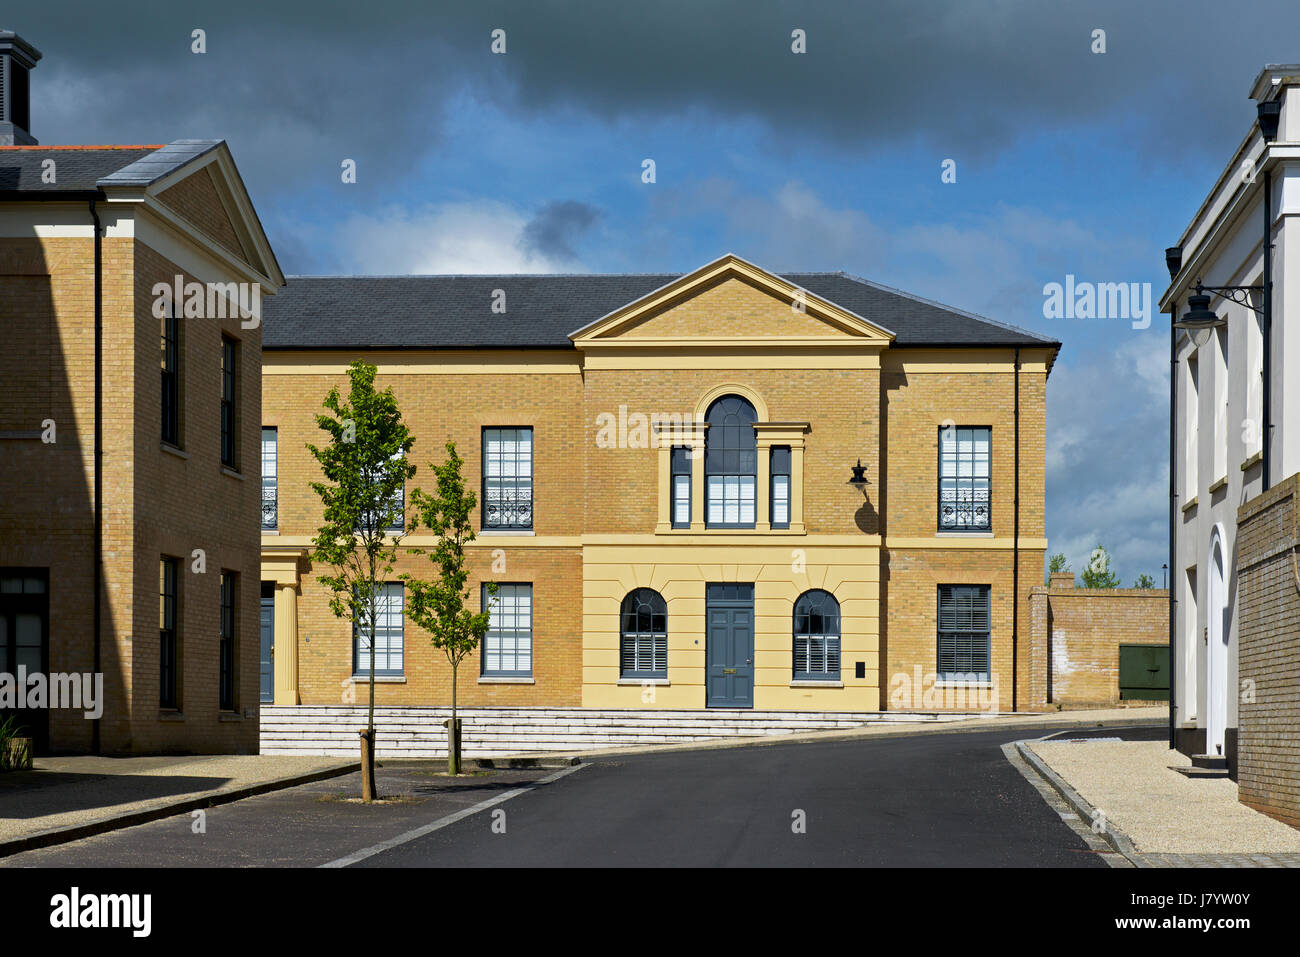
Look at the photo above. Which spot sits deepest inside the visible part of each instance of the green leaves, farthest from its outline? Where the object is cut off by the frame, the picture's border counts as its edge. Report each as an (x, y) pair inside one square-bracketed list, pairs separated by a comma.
[(441, 606), (1098, 574), (365, 467)]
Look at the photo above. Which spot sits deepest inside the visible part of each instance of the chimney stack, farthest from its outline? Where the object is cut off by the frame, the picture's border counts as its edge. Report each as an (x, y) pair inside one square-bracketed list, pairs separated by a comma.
[(17, 58)]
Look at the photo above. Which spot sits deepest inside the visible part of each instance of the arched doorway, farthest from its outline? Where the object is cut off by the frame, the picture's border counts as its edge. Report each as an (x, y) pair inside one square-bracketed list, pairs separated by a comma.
[(1216, 646)]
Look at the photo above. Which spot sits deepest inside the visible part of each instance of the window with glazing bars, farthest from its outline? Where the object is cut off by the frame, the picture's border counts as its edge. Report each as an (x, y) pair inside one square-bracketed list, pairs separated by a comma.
[(643, 635), (681, 473), (965, 479), (508, 644), (387, 634), (171, 379), (730, 463), (226, 645), (964, 630), (780, 492), (229, 444), (169, 640), (508, 478), (270, 478), (817, 636)]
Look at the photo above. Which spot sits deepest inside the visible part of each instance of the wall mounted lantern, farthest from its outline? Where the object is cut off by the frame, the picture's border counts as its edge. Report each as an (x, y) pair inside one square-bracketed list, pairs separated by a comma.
[(859, 480)]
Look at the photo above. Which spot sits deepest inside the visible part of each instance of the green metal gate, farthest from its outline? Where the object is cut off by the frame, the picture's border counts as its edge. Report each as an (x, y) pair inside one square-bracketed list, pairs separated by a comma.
[(1144, 672)]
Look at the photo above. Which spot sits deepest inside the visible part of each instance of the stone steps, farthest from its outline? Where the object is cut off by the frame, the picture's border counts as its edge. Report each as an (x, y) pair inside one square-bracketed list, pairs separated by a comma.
[(331, 730)]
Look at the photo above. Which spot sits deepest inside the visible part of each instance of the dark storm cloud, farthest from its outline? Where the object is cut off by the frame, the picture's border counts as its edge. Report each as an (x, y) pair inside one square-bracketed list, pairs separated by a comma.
[(556, 228), (291, 82)]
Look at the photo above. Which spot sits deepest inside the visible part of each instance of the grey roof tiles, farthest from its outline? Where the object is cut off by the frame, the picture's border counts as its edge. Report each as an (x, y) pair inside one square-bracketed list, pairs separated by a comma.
[(454, 312)]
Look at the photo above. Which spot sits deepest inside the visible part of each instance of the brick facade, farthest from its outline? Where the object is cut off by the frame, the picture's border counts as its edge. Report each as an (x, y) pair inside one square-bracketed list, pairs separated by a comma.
[(155, 502), (598, 530), (1082, 630), (1268, 742)]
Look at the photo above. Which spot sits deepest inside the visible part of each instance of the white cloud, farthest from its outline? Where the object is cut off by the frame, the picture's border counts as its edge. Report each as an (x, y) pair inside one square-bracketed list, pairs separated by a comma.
[(469, 237)]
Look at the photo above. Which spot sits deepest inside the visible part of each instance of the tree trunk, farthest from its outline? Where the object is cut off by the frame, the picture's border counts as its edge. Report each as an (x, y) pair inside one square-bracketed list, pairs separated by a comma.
[(368, 757), (453, 739)]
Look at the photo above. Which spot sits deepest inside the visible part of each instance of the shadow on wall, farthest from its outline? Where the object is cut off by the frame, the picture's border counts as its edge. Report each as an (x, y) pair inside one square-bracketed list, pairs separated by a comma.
[(46, 486)]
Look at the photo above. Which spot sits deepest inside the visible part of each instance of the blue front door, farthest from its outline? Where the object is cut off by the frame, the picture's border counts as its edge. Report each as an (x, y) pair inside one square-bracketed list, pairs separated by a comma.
[(729, 641), (268, 643)]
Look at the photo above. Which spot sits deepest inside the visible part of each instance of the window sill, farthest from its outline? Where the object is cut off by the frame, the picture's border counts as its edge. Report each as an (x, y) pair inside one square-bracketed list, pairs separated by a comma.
[(229, 716), (961, 533), (270, 531), (379, 679), (815, 683), (227, 470), (505, 680), (641, 682), (171, 716), (1220, 484), (174, 450), (1189, 505), (947, 683), (739, 530), (1251, 462), (505, 532)]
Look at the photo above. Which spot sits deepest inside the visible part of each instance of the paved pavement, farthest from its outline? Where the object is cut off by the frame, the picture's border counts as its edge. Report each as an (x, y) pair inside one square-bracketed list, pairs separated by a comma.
[(939, 800), (94, 792), (304, 826)]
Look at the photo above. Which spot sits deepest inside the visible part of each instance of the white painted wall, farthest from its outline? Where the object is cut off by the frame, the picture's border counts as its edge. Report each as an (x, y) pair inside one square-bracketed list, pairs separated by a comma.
[(1220, 428)]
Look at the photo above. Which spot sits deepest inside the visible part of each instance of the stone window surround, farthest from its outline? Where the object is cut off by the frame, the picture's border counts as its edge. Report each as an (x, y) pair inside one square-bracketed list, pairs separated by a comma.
[(667, 436)]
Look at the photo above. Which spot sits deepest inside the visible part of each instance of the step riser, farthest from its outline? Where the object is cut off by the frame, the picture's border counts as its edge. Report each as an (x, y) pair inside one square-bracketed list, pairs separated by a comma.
[(331, 731)]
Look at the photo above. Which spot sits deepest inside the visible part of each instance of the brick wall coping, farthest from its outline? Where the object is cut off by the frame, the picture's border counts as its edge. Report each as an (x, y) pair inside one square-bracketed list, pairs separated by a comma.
[(1069, 591), (1265, 500)]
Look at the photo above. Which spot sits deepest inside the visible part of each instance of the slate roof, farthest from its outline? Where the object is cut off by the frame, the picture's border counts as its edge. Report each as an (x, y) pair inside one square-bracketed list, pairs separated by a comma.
[(453, 312), (82, 168)]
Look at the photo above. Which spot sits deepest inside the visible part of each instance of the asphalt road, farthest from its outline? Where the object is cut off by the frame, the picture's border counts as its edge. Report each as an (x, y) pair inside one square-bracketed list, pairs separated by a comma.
[(935, 800)]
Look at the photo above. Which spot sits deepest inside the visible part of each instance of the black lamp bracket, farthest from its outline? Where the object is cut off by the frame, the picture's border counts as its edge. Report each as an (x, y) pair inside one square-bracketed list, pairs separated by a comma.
[(1238, 294)]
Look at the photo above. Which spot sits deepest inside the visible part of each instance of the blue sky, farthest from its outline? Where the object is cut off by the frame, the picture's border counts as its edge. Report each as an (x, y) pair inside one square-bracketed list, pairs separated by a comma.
[(1068, 161)]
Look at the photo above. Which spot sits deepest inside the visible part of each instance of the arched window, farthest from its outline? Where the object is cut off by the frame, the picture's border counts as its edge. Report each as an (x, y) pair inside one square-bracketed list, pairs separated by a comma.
[(817, 636), (730, 463), (643, 629)]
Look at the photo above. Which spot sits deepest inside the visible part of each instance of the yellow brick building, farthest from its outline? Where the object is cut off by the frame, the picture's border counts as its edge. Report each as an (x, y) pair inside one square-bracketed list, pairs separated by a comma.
[(663, 465), (129, 442)]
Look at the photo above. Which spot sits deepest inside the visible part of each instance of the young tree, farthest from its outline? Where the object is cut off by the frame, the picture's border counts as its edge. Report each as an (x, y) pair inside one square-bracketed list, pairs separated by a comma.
[(1056, 564), (1098, 573), (440, 606), (365, 468), (1144, 581)]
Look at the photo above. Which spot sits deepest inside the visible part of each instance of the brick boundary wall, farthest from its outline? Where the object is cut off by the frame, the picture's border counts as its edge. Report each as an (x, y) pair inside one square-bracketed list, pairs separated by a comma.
[(1081, 630), (1268, 615)]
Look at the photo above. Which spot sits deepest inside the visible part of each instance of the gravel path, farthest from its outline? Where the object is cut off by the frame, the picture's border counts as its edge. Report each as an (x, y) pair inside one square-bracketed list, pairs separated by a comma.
[(1159, 809)]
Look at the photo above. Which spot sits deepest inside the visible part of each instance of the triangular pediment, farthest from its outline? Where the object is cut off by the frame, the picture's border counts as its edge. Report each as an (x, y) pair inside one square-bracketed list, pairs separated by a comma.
[(732, 302), (206, 199)]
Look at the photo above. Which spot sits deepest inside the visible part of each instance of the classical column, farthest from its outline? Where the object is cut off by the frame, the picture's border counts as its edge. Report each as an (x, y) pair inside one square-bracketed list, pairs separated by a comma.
[(286, 643), (763, 494), (280, 566)]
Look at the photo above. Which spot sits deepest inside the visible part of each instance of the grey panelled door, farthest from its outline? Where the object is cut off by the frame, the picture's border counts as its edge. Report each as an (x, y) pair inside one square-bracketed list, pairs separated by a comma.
[(729, 641), (268, 643)]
